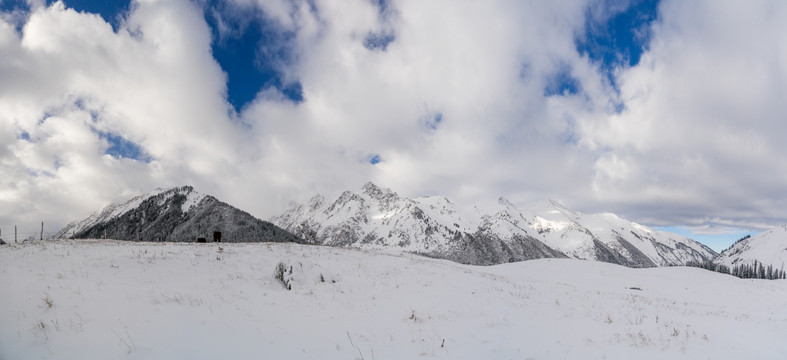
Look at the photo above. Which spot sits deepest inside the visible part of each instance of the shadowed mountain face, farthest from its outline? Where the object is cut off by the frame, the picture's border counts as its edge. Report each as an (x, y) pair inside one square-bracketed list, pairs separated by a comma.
[(499, 233), (489, 249), (177, 214)]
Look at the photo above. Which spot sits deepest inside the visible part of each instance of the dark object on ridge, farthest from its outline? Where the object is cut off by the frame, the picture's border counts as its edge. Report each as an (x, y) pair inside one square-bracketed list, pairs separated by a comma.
[(217, 236), (202, 240)]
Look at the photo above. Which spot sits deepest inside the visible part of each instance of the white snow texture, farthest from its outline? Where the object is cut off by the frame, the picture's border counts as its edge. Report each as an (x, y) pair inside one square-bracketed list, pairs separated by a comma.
[(104, 299)]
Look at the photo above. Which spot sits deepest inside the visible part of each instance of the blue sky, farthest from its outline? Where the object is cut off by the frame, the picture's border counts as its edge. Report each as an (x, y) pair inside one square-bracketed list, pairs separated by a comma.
[(634, 107), (249, 52), (618, 38), (718, 242)]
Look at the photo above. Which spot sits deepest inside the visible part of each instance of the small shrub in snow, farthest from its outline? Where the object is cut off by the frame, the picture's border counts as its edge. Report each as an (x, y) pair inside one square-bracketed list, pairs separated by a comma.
[(279, 274), (48, 302)]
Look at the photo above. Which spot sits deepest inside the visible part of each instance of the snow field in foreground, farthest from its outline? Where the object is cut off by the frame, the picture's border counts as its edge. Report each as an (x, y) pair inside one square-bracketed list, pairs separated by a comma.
[(103, 299)]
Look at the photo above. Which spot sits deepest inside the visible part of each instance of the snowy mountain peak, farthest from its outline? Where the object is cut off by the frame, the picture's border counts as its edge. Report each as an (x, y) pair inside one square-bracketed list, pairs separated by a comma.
[(549, 206), (120, 208), (375, 192), (372, 189), (174, 214), (345, 199), (504, 202), (193, 198), (316, 202), (560, 207), (437, 227)]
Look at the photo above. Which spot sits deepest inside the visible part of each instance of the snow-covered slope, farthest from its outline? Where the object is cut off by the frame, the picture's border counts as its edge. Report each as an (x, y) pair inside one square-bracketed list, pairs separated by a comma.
[(175, 214), (103, 299), (109, 213), (380, 218), (375, 217), (605, 237), (767, 248), (499, 233)]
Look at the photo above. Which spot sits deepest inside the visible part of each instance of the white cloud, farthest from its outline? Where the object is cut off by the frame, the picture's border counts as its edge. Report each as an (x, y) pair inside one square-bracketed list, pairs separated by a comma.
[(703, 119), (71, 77), (464, 63), (698, 142)]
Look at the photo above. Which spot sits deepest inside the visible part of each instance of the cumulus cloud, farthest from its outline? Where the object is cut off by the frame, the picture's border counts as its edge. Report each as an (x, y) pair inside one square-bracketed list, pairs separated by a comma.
[(482, 68), (69, 81), (699, 141), (458, 98)]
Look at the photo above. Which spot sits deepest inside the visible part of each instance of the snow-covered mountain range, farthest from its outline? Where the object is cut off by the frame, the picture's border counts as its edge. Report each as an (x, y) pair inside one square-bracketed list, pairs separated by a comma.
[(767, 248), (175, 214), (380, 218), (499, 233)]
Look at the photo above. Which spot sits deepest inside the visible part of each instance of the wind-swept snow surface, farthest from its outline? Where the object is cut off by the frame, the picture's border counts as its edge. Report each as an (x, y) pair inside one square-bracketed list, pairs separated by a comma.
[(103, 299)]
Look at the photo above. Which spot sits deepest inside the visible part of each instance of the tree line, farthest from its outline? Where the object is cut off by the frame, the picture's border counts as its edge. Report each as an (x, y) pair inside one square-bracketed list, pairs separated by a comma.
[(743, 271)]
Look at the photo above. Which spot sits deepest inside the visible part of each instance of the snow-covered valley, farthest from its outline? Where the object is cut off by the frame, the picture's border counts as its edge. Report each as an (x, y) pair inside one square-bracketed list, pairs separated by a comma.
[(104, 299)]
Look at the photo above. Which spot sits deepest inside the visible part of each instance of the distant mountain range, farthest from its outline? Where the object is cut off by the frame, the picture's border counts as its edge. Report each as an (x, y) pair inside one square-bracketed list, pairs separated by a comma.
[(435, 226), (380, 218), (176, 214)]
